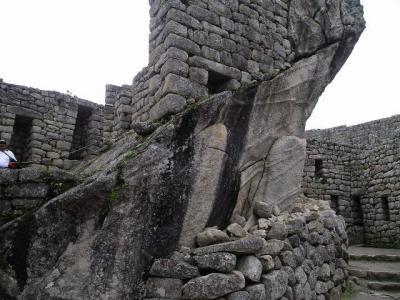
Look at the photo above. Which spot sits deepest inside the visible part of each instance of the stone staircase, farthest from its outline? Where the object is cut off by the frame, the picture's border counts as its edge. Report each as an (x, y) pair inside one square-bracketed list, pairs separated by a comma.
[(376, 270)]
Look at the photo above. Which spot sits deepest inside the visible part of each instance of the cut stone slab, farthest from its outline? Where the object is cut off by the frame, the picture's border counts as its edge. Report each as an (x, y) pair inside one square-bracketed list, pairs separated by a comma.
[(369, 253), (213, 286), (220, 262), (248, 245), (173, 269)]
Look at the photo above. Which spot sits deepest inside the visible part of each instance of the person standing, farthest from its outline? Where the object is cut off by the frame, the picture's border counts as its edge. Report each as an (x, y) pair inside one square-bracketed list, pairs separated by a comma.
[(7, 158)]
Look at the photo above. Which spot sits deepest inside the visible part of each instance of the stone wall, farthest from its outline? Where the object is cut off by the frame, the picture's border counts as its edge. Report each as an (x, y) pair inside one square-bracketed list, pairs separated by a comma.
[(23, 191), (361, 178), (302, 255), (198, 48), (363, 134), (48, 127)]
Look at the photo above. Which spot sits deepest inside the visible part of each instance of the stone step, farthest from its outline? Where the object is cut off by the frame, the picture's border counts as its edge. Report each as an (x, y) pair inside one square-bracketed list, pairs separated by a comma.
[(374, 275), (374, 254), (384, 286)]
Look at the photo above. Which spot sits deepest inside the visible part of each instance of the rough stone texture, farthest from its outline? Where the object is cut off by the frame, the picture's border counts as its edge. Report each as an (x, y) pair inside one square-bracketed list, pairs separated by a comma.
[(164, 288), (49, 128), (306, 271), (220, 262), (251, 267), (275, 284), (23, 191), (147, 196), (173, 269), (213, 286), (356, 169)]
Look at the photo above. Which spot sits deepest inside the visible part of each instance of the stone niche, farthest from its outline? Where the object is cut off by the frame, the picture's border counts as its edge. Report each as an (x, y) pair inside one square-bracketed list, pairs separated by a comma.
[(49, 128), (357, 169)]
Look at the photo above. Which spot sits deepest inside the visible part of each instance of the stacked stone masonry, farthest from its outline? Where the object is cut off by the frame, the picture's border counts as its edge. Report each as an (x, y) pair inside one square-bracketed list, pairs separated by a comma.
[(23, 191), (198, 48), (49, 128), (357, 169), (295, 256)]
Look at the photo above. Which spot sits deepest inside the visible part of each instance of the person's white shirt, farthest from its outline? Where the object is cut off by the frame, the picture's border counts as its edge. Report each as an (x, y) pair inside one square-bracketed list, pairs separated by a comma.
[(5, 158)]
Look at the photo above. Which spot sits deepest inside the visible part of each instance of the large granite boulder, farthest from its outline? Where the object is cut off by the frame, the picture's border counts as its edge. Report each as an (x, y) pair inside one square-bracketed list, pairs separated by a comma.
[(145, 197)]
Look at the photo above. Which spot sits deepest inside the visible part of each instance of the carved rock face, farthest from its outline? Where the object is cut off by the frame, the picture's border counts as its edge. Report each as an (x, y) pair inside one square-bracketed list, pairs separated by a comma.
[(195, 171)]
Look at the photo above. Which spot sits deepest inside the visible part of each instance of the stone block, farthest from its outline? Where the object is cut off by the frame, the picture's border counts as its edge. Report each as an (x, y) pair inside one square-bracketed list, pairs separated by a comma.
[(173, 269), (8, 176), (241, 295), (182, 43), (211, 236), (201, 62), (275, 284), (183, 18), (213, 285), (251, 267), (256, 292), (27, 190), (220, 262), (164, 288), (198, 75), (248, 245), (170, 104), (203, 14), (174, 66)]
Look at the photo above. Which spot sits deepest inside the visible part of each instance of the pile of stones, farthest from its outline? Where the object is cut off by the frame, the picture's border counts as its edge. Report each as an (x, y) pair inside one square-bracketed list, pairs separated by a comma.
[(297, 255)]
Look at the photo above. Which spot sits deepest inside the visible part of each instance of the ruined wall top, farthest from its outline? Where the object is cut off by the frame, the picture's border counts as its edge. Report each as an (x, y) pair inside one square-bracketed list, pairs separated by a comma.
[(365, 134), (202, 47)]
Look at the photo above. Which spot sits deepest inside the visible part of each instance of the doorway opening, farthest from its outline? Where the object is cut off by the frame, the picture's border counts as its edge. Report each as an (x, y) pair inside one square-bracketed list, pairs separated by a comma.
[(80, 137), (334, 203), (21, 139), (385, 208), (318, 168), (356, 210)]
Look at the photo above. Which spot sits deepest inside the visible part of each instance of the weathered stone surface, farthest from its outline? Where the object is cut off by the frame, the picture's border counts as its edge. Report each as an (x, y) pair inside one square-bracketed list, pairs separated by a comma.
[(248, 245), (275, 284), (256, 292), (139, 200), (272, 247), (241, 295), (173, 269), (219, 262), (236, 230), (211, 236), (213, 286), (170, 104), (267, 262), (164, 288), (262, 209), (278, 231), (251, 267)]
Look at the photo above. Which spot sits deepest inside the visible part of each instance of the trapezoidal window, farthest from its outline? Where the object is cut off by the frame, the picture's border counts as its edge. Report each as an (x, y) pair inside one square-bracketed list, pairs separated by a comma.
[(216, 82), (334, 203), (80, 138), (385, 208), (21, 139), (356, 210)]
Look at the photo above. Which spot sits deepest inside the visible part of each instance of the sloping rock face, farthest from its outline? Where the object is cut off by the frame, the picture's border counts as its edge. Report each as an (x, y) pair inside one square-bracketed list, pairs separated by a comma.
[(151, 194)]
